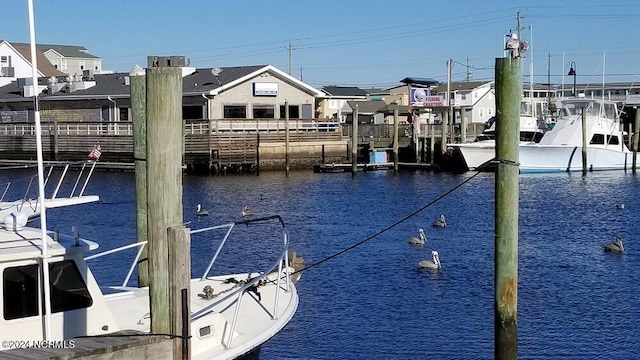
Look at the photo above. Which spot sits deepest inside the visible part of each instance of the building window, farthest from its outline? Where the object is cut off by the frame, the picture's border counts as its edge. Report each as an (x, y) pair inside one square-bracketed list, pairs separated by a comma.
[(5, 60), (261, 111), (192, 112), (481, 112), (124, 114), (294, 112), (68, 289), (81, 63), (63, 63), (489, 111), (235, 112)]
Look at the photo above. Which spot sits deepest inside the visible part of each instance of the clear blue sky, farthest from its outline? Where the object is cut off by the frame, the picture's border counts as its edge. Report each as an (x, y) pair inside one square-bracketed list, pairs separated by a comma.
[(349, 43)]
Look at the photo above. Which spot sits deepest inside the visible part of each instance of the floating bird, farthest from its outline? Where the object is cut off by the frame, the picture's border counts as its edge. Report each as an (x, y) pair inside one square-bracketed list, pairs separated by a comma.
[(431, 265), (420, 240), (441, 222), (200, 211), (620, 206), (246, 211), (615, 246)]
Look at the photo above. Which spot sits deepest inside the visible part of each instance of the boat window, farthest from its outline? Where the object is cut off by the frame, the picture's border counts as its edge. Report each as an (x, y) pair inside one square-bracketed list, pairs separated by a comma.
[(613, 140), (597, 139), (526, 109), (610, 111), (20, 285)]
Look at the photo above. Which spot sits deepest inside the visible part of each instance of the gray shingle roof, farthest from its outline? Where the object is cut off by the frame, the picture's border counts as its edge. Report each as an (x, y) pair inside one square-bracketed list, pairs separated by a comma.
[(344, 91), (70, 51)]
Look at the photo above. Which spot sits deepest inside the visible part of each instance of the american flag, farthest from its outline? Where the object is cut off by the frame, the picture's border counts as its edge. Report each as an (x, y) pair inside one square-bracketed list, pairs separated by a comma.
[(95, 153)]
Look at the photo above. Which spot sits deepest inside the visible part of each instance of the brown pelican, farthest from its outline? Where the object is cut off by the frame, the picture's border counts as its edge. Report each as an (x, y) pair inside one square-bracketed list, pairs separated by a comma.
[(246, 211), (420, 240), (441, 222), (431, 265), (615, 246), (200, 211)]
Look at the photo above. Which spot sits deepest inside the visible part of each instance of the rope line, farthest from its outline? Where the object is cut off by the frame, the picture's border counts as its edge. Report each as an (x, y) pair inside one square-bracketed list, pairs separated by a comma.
[(388, 227)]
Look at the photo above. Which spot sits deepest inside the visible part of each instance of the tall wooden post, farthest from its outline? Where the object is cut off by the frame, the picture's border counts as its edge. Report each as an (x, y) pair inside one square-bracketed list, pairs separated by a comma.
[(508, 94), (395, 139), (179, 280), (138, 90), (445, 130), (164, 179), (636, 131), (56, 140), (286, 138), (257, 153), (584, 142), (463, 125), (354, 143), (432, 145)]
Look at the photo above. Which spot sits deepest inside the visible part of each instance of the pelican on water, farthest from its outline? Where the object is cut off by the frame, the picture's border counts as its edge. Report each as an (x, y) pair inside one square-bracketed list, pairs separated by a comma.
[(431, 265), (615, 246), (420, 240), (246, 211), (200, 211), (441, 222), (620, 206)]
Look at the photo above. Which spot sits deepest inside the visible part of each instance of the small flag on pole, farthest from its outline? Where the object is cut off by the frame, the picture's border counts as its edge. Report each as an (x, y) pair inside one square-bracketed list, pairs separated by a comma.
[(95, 152)]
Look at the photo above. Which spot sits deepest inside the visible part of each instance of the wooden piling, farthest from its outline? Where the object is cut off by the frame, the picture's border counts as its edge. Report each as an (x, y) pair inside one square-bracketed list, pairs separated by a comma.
[(354, 143), (179, 280), (138, 89), (463, 125), (508, 94), (445, 132), (286, 138), (584, 142), (164, 183), (636, 131), (395, 139)]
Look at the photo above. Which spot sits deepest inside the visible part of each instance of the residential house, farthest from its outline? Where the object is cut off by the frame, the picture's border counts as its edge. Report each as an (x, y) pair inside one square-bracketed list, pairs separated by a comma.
[(15, 63), (333, 104), (476, 99)]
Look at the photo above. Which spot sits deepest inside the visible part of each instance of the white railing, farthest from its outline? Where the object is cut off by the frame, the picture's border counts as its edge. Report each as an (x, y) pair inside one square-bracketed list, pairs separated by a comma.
[(281, 263), (69, 128)]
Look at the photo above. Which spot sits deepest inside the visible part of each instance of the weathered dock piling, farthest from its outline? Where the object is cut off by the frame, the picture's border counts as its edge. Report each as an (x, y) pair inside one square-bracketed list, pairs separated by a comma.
[(168, 268), (508, 92), (636, 131), (138, 90)]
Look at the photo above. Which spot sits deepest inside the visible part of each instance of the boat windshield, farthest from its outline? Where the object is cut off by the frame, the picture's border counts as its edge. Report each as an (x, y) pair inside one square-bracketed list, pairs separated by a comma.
[(526, 109), (575, 108)]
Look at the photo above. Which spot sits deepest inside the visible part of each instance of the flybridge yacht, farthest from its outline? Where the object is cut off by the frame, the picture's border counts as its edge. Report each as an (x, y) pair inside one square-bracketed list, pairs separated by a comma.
[(560, 149), (478, 154)]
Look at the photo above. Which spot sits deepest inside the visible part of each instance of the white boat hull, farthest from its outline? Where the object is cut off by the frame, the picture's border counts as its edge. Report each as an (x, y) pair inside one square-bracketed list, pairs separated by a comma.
[(477, 155), (565, 158)]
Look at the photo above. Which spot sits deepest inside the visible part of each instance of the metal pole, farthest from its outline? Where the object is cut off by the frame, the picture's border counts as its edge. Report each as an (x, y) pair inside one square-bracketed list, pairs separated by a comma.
[(354, 143), (508, 94)]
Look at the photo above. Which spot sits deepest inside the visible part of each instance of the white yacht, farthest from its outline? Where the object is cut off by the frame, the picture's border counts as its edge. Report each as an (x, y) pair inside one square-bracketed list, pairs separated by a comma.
[(560, 149), (479, 154)]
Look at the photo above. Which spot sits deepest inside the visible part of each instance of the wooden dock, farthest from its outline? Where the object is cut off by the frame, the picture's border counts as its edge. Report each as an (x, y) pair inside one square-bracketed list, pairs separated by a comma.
[(336, 168)]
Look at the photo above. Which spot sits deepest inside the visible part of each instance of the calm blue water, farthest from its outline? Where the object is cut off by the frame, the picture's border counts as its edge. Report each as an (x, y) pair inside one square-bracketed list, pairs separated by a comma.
[(574, 300)]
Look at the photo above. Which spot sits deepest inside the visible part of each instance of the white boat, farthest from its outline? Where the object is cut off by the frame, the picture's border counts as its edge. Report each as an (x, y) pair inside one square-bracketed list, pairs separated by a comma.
[(49, 293), (30, 205), (479, 154), (560, 149)]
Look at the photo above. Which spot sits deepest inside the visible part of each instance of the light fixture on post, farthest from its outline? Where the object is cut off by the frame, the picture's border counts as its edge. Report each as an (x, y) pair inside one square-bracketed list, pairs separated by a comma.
[(572, 71)]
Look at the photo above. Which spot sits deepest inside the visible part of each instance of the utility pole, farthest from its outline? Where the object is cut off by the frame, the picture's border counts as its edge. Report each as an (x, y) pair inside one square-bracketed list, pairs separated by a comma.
[(468, 70), (290, 58)]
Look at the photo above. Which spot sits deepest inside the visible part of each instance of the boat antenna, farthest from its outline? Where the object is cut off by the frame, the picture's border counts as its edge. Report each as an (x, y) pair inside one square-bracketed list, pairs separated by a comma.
[(43, 216)]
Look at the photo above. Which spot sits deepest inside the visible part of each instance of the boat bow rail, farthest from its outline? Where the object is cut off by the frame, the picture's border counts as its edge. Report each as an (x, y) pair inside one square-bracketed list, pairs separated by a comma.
[(276, 273)]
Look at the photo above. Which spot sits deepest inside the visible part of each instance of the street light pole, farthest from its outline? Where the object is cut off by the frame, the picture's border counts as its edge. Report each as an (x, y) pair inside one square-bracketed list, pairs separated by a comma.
[(572, 71)]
